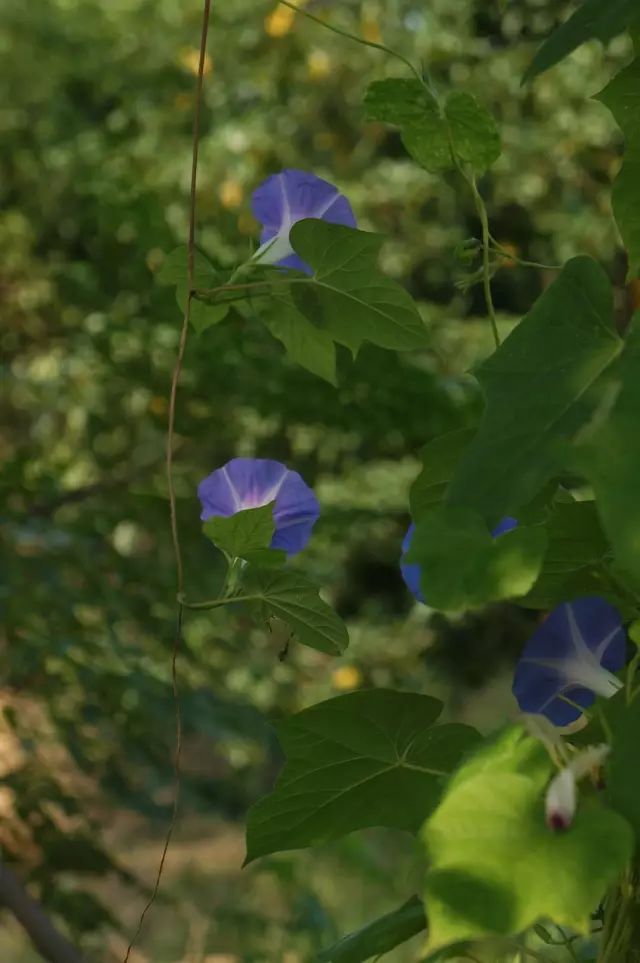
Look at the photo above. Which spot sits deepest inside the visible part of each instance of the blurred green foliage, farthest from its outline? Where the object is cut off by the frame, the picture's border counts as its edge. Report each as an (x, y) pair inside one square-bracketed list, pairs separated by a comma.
[(95, 122)]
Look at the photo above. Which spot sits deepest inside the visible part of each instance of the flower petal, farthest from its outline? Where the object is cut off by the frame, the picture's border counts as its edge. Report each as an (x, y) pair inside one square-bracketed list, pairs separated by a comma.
[(506, 525), (573, 653), (411, 572), (288, 197), (252, 482)]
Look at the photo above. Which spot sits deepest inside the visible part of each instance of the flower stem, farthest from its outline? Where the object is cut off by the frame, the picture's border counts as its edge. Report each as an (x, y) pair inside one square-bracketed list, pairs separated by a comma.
[(486, 250)]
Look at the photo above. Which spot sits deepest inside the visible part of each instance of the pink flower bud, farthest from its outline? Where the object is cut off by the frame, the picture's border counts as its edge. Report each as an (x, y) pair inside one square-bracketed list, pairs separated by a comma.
[(560, 801)]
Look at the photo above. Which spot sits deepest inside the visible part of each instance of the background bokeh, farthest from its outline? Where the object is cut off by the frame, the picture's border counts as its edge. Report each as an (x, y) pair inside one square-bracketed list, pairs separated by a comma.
[(96, 103)]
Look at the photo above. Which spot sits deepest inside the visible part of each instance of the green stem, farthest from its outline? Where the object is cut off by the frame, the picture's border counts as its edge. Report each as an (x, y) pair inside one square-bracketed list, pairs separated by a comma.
[(352, 36), (486, 250), (568, 945), (217, 603), (522, 948), (498, 249)]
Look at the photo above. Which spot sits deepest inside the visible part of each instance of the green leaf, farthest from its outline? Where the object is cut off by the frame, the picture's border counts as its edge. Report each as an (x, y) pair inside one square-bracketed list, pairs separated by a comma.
[(370, 758), (610, 458), (245, 532), (433, 134), (175, 269), (289, 596), (495, 869), (622, 775), (540, 387), (305, 343), (476, 140), (202, 315), (352, 301), (266, 557), (380, 936), (463, 566), (594, 20), (622, 97), (573, 564), (440, 458)]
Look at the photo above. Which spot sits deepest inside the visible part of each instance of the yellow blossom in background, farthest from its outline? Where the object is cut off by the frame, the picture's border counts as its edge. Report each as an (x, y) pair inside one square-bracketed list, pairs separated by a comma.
[(183, 101), (324, 140), (158, 405), (509, 248), (231, 193), (280, 21), (247, 224), (318, 64), (189, 58), (346, 677), (371, 30)]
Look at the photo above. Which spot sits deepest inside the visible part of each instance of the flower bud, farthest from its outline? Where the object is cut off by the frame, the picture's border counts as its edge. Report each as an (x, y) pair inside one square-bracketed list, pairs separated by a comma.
[(560, 801)]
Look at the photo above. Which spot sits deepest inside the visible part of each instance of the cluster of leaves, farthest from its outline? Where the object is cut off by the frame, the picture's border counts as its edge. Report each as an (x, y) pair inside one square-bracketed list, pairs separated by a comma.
[(560, 397)]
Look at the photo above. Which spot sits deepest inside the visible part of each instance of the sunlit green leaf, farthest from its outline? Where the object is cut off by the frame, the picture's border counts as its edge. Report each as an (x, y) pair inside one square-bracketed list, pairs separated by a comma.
[(371, 758), (463, 566), (622, 97), (594, 20), (352, 301), (435, 135), (289, 596), (380, 936), (246, 531), (540, 387), (495, 869)]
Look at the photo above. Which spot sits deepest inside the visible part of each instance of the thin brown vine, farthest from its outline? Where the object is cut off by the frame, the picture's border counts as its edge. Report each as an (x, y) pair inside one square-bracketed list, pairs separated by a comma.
[(175, 536)]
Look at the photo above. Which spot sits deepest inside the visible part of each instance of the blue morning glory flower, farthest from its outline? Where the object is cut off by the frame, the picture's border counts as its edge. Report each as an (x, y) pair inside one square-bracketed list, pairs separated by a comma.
[(288, 197), (411, 571), (574, 653), (252, 482)]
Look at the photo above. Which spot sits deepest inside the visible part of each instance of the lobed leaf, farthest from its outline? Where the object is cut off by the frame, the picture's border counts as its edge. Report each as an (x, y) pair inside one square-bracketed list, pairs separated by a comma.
[(245, 532), (622, 97), (289, 596), (540, 387), (463, 566), (594, 20), (369, 758), (348, 297), (440, 458), (495, 869), (437, 137), (305, 344), (609, 457)]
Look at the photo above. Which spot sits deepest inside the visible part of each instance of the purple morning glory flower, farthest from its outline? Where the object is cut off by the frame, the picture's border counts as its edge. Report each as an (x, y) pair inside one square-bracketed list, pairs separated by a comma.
[(411, 571), (252, 482), (574, 653), (288, 197)]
